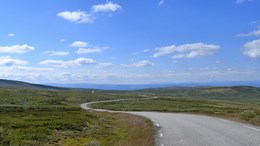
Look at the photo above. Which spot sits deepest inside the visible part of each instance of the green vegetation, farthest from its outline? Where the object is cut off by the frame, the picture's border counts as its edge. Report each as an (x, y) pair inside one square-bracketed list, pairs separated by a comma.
[(35, 117), (238, 103), (236, 92), (42, 98)]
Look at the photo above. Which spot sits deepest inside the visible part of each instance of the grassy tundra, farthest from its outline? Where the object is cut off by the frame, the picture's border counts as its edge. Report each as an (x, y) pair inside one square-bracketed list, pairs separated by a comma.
[(52, 116), (238, 103), (35, 117)]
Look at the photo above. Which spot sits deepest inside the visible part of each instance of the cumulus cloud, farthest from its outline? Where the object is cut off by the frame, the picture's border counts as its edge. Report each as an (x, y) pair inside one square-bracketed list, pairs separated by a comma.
[(252, 49), (142, 63), (107, 7), (70, 63), (83, 61), (146, 50), (11, 34), (8, 61), (31, 74), (164, 51), (243, 1), (252, 33), (76, 16), (88, 17), (88, 50), (57, 53), (16, 49), (100, 65), (30, 69), (187, 50), (79, 44)]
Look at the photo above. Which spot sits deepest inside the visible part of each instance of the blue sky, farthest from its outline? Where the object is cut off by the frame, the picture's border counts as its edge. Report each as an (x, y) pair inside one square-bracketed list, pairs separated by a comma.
[(130, 42)]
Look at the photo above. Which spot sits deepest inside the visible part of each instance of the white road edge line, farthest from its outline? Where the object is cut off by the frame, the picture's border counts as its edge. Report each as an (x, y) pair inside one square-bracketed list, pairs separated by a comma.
[(157, 125), (252, 128), (161, 134), (162, 145)]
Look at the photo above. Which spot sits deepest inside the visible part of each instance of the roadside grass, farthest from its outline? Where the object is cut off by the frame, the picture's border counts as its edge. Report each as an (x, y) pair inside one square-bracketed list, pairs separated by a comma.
[(244, 110), (52, 117), (47, 127), (140, 131)]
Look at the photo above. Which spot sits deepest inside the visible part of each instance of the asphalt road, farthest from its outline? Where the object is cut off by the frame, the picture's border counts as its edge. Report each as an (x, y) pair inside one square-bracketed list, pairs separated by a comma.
[(198, 130)]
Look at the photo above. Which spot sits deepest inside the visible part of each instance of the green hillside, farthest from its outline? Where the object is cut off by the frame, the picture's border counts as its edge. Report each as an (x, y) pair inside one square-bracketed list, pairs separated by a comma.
[(240, 103), (38, 115), (24, 85), (235, 92)]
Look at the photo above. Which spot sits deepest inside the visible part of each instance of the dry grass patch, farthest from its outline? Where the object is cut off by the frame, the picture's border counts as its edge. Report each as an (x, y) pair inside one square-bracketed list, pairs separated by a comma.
[(140, 131)]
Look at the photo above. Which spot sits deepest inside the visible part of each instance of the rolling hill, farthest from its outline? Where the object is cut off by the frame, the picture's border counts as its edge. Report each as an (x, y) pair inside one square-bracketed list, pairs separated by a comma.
[(223, 92), (18, 84)]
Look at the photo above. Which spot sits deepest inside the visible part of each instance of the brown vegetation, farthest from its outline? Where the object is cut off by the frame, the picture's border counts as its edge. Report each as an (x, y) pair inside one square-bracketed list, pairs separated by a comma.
[(140, 131)]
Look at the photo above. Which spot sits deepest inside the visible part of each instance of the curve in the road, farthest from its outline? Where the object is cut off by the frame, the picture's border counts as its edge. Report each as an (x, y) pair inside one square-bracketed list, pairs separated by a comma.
[(175, 129)]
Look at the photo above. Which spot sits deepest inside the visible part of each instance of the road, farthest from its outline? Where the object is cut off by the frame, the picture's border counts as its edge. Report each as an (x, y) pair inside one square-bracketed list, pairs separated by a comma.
[(197, 130)]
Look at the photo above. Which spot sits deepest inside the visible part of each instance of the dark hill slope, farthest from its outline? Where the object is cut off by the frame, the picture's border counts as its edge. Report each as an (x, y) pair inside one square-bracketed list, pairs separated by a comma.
[(18, 84)]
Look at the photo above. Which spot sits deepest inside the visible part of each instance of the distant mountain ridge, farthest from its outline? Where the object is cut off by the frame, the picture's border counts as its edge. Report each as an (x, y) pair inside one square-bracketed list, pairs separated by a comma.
[(158, 85), (19, 84)]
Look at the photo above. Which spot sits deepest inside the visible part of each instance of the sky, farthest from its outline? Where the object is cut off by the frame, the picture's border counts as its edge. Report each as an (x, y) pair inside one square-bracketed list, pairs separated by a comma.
[(129, 42)]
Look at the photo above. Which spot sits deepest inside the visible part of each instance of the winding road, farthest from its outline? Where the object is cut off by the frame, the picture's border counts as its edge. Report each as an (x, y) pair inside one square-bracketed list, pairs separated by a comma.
[(176, 129)]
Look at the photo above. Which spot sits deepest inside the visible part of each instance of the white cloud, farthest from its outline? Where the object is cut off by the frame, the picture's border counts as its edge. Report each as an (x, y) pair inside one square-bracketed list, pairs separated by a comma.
[(31, 69), (100, 65), (83, 61), (16, 49), (57, 63), (146, 50), (88, 50), (57, 53), (252, 33), (242, 1), (187, 50), (8, 61), (70, 63), (11, 34), (142, 63), (164, 51), (252, 49), (108, 7), (63, 40), (161, 2), (31, 74), (77, 16), (79, 44)]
